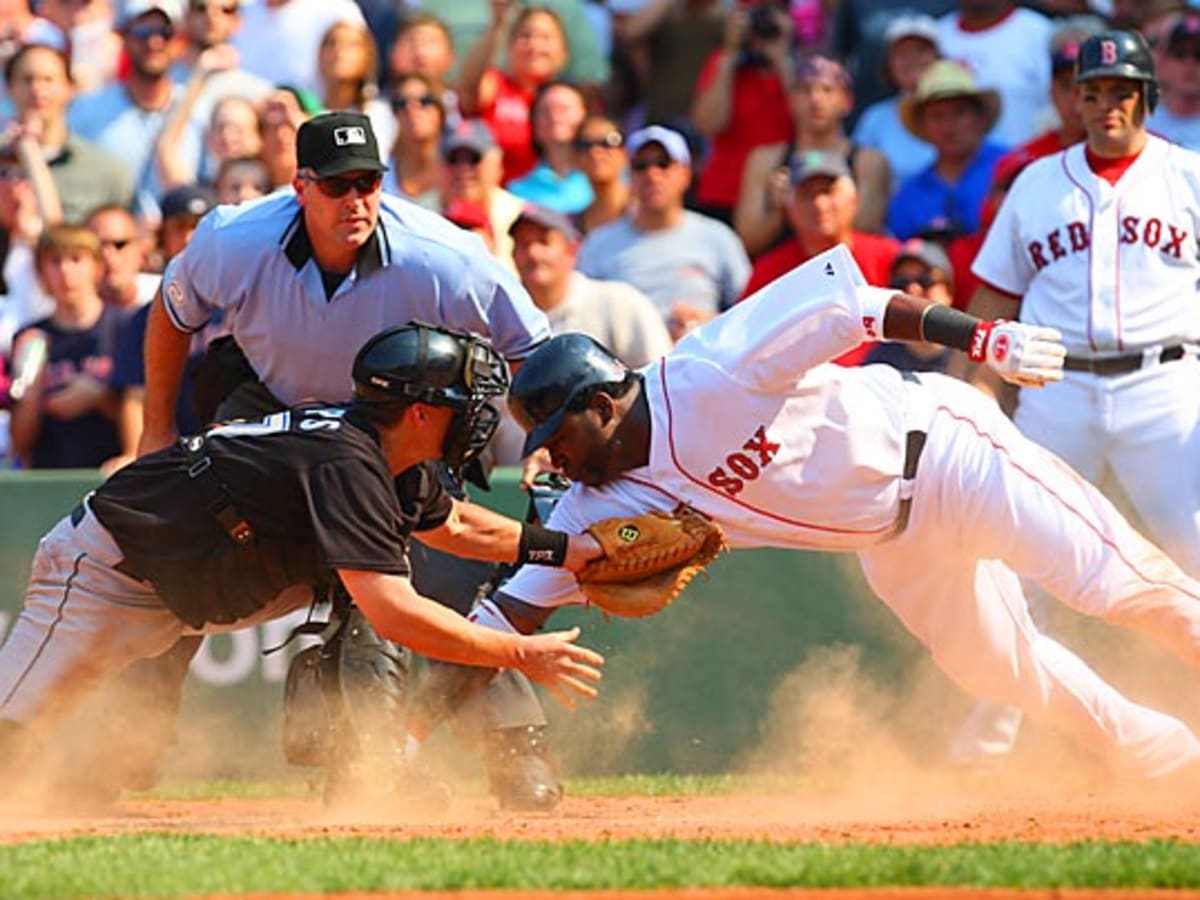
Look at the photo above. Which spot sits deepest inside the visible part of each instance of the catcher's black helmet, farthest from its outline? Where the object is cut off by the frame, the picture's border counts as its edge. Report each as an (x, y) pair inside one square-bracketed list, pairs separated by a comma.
[(1119, 54), (554, 377), (438, 366)]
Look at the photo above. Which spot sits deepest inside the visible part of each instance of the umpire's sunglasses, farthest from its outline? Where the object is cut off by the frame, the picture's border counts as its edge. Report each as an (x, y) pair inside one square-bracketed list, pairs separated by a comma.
[(340, 185)]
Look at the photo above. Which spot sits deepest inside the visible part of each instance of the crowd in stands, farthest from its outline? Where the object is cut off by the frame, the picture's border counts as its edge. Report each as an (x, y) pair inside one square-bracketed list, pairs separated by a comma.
[(641, 165)]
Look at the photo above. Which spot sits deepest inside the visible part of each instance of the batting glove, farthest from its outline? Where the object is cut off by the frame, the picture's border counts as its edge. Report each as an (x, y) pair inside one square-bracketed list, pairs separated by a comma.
[(1025, 355)]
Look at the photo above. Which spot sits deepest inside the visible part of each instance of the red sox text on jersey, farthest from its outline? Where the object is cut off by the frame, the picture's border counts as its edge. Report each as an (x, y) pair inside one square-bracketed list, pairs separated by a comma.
[(1074, 238), (743, 467)]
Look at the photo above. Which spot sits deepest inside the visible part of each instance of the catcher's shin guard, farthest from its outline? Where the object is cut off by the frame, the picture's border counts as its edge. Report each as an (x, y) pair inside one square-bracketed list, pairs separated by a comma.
[(521, 773), (345, 705)]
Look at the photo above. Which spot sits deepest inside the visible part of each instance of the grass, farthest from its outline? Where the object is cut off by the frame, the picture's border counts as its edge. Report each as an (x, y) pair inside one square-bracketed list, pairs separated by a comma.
[(159, 865), (178, 865)]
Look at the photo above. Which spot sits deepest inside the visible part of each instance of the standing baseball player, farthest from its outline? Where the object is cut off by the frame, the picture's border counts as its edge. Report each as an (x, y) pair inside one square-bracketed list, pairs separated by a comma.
[(945, 502), (241, 525), (302, 279), (1100, 242)]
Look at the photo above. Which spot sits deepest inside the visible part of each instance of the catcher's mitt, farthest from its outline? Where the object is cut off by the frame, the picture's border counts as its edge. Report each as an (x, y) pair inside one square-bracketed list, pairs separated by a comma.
[(648, 559)]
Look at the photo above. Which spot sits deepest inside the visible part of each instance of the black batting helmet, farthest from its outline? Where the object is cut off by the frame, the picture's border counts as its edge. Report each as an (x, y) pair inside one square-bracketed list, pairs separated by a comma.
[(1119, 54), (555, 378), (423, 363)]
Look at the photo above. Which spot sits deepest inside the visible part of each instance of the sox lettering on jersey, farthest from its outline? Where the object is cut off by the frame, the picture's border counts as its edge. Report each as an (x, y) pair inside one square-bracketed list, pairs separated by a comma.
[(1073, 238), (742, 466)]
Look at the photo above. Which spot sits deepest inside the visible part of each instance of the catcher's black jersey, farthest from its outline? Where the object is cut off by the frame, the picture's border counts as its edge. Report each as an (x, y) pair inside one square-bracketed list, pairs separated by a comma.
[(311, 482)]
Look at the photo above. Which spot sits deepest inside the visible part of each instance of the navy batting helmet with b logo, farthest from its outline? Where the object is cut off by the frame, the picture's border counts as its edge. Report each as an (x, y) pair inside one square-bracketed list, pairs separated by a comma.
[(1118, 54), (554, 378)]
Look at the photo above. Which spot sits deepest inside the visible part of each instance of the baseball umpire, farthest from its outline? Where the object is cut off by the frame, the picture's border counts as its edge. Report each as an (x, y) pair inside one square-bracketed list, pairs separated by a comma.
[(1099, 241), (302, 279), (242, 523), (943, 500)]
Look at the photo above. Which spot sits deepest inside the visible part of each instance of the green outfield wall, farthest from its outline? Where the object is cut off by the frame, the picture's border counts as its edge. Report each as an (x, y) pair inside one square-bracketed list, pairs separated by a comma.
[(687, 690)]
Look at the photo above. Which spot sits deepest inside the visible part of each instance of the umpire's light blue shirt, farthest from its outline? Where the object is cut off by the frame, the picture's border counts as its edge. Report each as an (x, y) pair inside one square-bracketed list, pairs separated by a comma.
[(255, 262)]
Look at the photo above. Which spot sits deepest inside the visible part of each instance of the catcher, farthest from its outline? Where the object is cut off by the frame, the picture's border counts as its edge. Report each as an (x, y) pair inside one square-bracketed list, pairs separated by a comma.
[(244, 523), (945, 503)]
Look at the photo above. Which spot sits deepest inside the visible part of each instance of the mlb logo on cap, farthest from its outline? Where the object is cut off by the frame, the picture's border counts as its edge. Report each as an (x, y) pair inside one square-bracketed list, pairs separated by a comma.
[(339, 142), (351, 134)]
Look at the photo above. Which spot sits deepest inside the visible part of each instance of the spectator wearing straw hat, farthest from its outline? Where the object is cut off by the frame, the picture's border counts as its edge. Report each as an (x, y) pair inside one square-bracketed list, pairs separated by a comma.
[(951, 112)]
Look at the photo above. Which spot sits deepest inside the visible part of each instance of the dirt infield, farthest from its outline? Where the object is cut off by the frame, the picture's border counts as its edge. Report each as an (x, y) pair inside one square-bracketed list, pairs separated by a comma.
[(950, 814)]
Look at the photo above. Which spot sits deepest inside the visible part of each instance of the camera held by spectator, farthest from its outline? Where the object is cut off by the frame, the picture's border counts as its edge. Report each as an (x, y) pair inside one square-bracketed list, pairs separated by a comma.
[(766, 23)]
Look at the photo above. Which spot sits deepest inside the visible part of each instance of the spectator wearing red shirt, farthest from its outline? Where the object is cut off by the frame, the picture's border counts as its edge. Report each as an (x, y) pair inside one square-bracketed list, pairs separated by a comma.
[(741, 101), (503, 98), (821, 211)]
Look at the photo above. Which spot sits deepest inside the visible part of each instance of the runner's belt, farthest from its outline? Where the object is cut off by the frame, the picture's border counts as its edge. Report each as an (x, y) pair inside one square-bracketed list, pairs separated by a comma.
[(914, 444), (1124, 364)]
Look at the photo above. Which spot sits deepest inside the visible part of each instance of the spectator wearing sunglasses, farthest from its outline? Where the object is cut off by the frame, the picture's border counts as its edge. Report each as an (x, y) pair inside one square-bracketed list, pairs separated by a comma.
[(556, 182), (921, 269), (125, 284), (692, 266), (1177, 117), (600, 155), (423, 46), (472, 165), (182, 209), (414, 165), (303, 278), (126, 119)]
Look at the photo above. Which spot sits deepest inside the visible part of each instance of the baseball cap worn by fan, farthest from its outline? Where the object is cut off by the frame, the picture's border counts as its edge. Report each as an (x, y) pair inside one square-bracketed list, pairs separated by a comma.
[(546, 218), (132, 9), (338, 142), (927, 253), (187, 200), (914, 26), (671, 141), (469, 134), (814, 163)]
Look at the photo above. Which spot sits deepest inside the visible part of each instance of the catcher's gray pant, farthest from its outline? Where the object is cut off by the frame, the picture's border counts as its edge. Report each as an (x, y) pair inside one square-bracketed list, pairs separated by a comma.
[(85, 621)]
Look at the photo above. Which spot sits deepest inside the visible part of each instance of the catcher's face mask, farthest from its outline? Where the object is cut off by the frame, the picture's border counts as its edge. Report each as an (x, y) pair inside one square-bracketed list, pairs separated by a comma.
[(485, 375), (437, 366)]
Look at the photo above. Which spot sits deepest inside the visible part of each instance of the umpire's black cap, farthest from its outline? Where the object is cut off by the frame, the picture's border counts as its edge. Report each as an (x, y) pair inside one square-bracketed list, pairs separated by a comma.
[(338, 142)]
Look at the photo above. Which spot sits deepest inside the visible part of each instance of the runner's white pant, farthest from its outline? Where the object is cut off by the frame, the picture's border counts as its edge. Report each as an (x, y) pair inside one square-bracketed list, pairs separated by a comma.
[(1145, 426), (989, 506), (84, 622)]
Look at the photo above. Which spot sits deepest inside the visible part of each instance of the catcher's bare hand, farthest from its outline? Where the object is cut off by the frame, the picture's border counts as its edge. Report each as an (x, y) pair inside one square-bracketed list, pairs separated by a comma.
[(560, 665), (1024, 355)]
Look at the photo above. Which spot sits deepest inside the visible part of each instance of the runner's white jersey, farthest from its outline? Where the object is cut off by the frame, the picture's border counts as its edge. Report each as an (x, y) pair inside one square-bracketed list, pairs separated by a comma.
[(1064, 237), (804, 454)]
